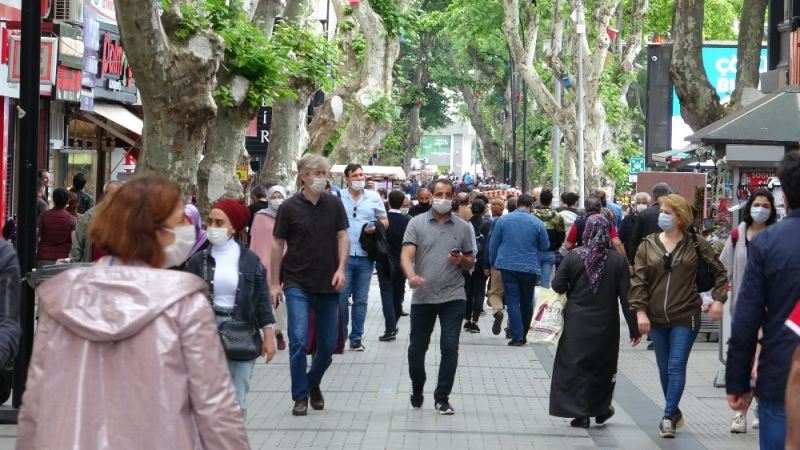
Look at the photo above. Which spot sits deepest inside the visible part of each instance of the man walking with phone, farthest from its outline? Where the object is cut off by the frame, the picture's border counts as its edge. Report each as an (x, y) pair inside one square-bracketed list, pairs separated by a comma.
[(437, 247)]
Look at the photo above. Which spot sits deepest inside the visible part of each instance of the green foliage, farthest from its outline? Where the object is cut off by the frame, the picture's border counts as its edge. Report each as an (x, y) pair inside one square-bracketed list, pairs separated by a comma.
[(615, 168), (393, 19), (268, 64), (383, 109), (393, 151), (719, 17), (312, 55)]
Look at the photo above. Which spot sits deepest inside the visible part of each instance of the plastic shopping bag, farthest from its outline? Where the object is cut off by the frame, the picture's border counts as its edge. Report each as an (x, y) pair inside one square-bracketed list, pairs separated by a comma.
[(548, 318)]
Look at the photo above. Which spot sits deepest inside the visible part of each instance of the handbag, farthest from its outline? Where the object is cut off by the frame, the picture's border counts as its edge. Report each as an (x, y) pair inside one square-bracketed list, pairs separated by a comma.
[(241, 340), (705, 277), (548, 318)]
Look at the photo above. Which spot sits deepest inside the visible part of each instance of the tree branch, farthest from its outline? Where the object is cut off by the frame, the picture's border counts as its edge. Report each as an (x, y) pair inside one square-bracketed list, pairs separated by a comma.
[(519, 55), (265, 13), (634, 43), (748, 55), (601, 17)]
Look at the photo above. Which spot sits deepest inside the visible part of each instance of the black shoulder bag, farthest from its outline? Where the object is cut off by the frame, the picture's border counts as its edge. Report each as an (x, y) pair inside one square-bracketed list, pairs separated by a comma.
[(705, 273)]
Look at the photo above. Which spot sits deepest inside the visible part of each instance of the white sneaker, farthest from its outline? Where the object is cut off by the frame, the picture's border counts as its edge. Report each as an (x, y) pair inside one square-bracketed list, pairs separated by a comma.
[(754, 425), (739, 424)]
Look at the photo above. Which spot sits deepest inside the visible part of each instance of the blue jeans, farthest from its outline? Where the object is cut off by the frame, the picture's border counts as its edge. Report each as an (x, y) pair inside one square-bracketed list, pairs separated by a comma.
[(241, 372), (772, 423), (672, 347), (358, 276), (325, 308), (423, 319), (546, 262), (519, 287)]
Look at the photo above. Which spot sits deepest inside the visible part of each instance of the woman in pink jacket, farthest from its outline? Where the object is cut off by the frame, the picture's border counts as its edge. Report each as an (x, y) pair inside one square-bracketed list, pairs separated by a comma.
[(127, 355), (261, 244)]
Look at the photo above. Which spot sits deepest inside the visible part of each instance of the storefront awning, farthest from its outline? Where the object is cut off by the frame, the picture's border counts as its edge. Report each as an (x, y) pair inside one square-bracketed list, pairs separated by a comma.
[(772, 120), (117, 120)]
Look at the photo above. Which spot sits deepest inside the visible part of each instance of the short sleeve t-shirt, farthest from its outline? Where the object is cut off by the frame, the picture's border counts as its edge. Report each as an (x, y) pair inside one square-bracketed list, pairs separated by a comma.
[(309, 230), (444, 280), (368, 207)]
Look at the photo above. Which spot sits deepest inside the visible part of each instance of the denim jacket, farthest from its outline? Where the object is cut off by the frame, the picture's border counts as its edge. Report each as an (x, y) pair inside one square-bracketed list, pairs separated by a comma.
[(252, 293), (516, 241)]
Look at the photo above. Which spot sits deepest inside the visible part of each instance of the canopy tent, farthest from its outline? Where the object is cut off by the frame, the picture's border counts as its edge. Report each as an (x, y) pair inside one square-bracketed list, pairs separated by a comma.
[(391, 172)]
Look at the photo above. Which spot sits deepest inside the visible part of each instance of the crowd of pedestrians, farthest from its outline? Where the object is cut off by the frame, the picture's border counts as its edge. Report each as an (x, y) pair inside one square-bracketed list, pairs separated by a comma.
[(294, 272)]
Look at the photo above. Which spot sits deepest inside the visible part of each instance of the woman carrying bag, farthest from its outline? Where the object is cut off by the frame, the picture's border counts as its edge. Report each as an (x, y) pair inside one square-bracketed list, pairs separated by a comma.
[(666, 300), (238, 285), (596, 280)]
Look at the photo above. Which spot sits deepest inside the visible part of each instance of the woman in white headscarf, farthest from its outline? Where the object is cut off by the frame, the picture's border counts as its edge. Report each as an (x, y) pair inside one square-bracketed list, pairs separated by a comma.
[(261, 244)]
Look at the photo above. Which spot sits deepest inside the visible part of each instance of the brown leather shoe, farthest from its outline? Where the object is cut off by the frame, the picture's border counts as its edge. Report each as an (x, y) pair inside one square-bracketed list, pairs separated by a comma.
[(317, 402), (281, 341), (300, 407)]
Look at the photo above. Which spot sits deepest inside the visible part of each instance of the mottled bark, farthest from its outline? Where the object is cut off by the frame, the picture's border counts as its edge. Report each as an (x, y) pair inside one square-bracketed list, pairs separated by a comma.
[(288, 137), (288, 134), (748, 54), (175, 80), (421, 79), (699, 101), (362, 135), (330, 115), (216, 175)]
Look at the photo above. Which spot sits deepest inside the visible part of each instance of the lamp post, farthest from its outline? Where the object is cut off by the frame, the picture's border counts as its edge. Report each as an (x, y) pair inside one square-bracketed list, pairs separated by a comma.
[(513, 128), (28, 148), (581, 30), (556, 144)]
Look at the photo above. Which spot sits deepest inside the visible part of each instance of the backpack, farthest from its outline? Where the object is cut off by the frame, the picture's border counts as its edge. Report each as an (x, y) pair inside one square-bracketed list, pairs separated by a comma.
[(480, 239)]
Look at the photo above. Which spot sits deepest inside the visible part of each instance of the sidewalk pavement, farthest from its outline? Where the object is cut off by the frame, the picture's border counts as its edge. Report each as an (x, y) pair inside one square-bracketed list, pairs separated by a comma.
[(500, 397)]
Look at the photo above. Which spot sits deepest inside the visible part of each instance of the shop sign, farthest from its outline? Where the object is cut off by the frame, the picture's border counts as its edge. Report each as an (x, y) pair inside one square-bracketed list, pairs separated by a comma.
[(68, 84), (48, 55), (257, 138), (243, 171), (751, 181), (114, 77), (70, 46)]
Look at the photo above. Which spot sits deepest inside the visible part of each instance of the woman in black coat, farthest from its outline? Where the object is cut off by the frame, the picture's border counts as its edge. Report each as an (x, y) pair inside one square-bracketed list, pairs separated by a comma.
[(584, 372)]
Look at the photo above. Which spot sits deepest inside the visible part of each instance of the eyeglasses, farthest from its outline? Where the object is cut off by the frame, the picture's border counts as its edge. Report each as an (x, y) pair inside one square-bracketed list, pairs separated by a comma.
[(355, 210), (667, 261)]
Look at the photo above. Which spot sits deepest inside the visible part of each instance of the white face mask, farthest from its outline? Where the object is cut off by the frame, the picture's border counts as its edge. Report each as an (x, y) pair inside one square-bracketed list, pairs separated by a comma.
[(176, 253), (317, 185), (760, 214), (404, 210), (358, 185), (275, 203), (665, 221), (442, 205), (640, 207), (217, 236)]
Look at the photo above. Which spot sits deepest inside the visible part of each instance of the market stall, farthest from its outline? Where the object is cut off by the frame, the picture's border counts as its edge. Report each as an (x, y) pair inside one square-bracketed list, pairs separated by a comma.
[(748, 146)]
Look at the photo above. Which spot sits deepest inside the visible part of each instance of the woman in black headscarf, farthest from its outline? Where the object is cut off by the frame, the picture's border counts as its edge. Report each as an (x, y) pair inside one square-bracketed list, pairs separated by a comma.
[(585, 368)]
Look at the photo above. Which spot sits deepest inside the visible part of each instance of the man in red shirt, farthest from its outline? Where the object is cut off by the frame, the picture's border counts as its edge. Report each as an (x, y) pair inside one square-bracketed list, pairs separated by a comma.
[(575, 238)]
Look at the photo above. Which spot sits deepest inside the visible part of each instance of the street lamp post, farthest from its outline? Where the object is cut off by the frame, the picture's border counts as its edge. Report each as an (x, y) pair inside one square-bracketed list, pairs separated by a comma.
[(581, 29), (513, 128), (555, 146), (524, 137), (28, 148)]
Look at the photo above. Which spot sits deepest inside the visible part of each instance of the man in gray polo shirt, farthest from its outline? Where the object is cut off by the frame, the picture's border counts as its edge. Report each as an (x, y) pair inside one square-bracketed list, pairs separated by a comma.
[(437, 247)]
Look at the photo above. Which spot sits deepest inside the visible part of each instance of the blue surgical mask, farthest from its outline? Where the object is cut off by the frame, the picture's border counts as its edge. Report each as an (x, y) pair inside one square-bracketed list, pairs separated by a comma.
[(760, 214), (665, 221)]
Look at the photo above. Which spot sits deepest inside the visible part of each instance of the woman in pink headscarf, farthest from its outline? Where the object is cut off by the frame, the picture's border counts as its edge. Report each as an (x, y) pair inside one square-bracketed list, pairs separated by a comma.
[(261, 244)]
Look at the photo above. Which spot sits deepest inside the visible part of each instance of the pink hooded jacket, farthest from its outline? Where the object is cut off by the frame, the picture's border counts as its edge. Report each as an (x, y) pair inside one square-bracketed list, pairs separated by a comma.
[(127, 358)]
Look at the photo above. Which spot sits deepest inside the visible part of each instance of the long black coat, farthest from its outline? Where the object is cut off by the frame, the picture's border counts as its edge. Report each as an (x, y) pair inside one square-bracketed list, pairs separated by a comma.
[(584, 372)]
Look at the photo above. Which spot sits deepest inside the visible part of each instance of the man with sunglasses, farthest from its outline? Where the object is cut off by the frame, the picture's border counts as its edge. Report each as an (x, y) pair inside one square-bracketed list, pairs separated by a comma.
[(364, 210)]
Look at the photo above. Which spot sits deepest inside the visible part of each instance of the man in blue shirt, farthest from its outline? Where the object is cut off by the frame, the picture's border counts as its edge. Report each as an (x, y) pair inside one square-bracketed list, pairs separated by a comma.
[(363, 209), (515, 243), (768, 294)]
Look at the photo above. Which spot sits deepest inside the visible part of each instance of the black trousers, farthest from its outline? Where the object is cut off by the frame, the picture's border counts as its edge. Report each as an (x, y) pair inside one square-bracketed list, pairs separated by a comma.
[(392, 284), (475, 286), (423, 319)]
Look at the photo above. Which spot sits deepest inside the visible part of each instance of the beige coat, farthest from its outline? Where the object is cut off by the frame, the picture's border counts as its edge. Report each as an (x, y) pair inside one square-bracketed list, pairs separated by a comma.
[(128, 358)]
